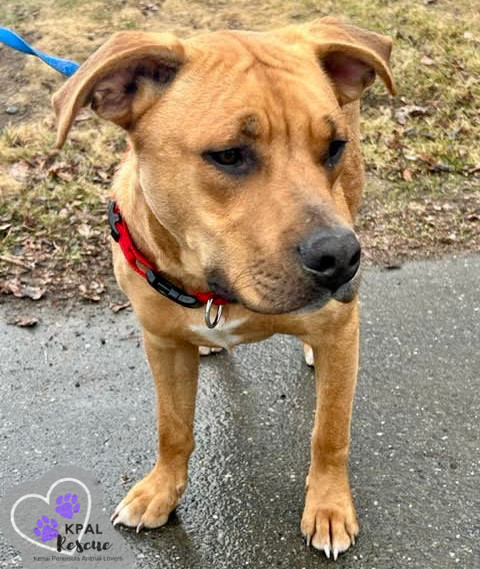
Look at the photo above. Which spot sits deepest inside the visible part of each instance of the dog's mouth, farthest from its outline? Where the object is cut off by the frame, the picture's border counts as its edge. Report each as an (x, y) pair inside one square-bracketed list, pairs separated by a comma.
[(299, 297), (345, 293), (217, 283)]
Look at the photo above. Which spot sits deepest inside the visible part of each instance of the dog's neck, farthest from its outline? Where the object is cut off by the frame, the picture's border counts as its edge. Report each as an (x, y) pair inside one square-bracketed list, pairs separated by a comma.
[(151, 238)]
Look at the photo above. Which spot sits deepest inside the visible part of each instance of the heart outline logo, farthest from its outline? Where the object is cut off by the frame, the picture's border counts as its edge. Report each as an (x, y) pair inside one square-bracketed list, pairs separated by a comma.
[(47, 500)]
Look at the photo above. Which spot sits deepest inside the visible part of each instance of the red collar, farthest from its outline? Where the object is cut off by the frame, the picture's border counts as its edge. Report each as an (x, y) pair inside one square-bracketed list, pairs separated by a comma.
[(145, 269)]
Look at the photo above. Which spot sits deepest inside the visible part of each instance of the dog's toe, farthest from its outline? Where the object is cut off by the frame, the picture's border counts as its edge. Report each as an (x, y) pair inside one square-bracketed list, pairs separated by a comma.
[(139, 516), (329, 526), (327, 532), (143, 511), (148, 504), (206, 350)]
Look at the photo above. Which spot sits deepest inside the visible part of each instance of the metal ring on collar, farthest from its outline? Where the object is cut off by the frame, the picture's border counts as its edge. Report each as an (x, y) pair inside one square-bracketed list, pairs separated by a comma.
[(208, 308)]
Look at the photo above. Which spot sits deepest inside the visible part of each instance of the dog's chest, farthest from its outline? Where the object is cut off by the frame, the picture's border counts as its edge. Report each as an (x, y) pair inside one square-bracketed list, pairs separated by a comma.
[(225, 335)]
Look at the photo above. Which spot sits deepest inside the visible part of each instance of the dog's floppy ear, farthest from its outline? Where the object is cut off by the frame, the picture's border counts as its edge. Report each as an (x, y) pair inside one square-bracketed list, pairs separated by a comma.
[(351, 56), (120, 80)]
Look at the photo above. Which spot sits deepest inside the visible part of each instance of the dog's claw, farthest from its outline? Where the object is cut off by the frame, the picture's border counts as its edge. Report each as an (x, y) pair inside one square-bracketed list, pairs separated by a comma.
[(326, 549), (307, 350), (116, 511), (335, 553), (140, 526), (306, 482), (308, 538)]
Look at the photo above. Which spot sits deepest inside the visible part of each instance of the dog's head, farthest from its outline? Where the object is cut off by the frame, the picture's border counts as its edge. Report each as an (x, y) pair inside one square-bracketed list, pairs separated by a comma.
[(245, 149)]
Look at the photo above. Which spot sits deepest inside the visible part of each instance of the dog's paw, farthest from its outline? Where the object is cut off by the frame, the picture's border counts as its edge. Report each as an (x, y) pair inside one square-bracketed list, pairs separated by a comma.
[(307, 350), (206, 350), (150, 502), (329, 522)]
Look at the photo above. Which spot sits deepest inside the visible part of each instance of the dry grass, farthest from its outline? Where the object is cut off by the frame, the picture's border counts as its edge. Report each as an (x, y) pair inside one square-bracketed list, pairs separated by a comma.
[(418, 147)]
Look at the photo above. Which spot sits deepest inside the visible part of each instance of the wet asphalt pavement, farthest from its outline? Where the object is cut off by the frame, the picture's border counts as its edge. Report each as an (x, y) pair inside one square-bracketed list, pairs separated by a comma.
[(76, 390)]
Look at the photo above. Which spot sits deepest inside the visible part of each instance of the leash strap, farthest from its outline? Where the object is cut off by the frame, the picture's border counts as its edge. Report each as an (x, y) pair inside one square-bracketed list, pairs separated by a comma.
[(14, 41)]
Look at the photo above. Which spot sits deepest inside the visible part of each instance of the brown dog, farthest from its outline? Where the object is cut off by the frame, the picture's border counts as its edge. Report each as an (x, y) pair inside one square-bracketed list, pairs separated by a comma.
[(243, 178)]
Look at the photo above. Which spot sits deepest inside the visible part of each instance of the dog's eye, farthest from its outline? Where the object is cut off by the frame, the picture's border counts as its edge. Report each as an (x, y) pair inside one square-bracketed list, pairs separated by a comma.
[(232, 160), (335, 151), (229, 157)]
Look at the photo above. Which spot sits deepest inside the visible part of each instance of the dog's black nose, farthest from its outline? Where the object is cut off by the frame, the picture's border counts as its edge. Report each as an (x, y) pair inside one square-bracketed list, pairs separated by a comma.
[(332, 254)]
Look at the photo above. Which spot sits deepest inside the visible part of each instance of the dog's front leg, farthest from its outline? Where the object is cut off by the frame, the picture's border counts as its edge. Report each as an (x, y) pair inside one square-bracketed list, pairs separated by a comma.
[(175, 370), (329, 521)]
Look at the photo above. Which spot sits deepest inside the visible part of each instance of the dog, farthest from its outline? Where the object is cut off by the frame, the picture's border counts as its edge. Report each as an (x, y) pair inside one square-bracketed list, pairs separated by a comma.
[(233, 221)]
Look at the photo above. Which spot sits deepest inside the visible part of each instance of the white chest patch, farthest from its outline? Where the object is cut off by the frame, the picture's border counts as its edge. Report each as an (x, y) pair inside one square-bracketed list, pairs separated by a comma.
[(223, 335)]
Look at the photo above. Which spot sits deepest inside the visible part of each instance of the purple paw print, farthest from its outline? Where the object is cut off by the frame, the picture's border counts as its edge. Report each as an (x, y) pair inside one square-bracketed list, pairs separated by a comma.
[(67, 506), (46, 529)]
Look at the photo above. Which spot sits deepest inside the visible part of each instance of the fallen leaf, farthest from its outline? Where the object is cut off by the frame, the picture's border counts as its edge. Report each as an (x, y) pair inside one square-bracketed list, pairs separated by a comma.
[(474, 170), (149, 8), (408, 111), (118, 307), (395, 142), (21, 290), (61, 170), (33, 292), (424, 157), (105, 176), (416, 206), (393, 267), (407, 175), (65, 176), (25, 322), (92, 291), (19, 171), (449, 238), (84, 230), (439, 167)]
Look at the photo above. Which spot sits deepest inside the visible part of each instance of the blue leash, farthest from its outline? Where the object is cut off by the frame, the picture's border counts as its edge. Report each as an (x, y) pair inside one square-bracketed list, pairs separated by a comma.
[(13, 40)]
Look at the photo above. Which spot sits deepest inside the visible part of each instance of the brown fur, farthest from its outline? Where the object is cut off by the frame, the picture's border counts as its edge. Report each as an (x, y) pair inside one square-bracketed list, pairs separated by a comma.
[(284, 92)]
